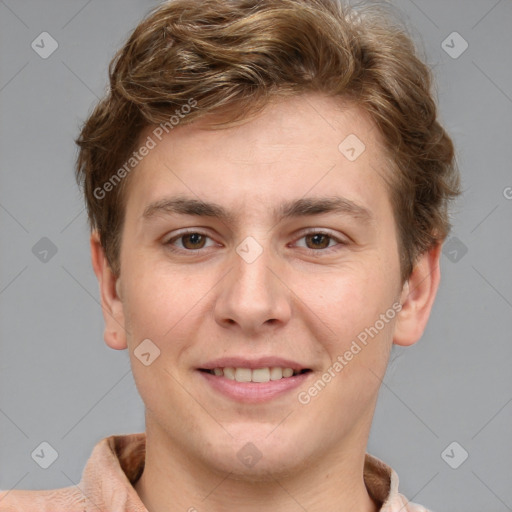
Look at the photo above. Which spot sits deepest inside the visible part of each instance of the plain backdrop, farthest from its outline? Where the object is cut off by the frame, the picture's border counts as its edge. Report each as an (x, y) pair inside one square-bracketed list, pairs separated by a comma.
[(444, 399)]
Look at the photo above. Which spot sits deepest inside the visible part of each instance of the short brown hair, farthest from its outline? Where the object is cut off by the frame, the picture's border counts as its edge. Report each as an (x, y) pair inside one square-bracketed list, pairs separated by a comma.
[(230, 57)]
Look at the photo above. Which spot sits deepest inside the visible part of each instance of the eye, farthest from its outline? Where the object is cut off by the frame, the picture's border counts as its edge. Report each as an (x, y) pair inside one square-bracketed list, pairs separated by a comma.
[(319, 241), (192, 241)]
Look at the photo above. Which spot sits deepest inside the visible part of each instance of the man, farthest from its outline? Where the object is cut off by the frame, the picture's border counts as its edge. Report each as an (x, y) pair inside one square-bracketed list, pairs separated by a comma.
[(267, 188)]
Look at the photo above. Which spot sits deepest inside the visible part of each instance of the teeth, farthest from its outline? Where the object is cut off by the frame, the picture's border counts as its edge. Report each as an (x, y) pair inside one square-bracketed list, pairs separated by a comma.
[(228, 372), (256, 375), (287, 372), (260, 375), (243, 374), (276, 373)]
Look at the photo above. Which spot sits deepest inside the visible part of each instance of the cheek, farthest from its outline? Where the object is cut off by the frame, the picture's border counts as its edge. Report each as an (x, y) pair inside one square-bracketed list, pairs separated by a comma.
[(348, 300), (351, 305), (163, 309), (158, 300)]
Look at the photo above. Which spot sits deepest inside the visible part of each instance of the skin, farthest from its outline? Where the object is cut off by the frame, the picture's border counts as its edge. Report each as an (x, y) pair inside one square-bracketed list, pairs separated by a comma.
[(296, 300)]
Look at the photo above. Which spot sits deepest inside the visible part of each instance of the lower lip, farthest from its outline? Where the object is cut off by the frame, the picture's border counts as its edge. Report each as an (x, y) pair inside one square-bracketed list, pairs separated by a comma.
[(254, 392)]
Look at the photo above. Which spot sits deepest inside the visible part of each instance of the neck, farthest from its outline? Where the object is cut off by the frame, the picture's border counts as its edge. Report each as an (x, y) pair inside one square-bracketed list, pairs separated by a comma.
[(176, 481)]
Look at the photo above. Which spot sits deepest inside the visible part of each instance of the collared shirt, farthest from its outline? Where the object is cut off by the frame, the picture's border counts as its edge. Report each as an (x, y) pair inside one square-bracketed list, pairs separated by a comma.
[(117, 462)]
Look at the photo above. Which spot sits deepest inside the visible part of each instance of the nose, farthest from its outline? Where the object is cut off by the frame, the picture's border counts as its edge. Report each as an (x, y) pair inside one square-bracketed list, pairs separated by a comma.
[(253, 296)]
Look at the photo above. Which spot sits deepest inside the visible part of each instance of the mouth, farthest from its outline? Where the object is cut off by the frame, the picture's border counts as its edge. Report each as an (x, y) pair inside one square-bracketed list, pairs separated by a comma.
[(253, 382), (259, 375)]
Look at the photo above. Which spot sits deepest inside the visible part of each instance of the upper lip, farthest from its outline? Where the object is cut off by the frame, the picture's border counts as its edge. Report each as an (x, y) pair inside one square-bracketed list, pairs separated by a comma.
[(260, 362)]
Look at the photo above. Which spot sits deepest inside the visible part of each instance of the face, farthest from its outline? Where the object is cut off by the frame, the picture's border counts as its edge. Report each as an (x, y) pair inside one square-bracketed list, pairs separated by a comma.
[(276, 283)]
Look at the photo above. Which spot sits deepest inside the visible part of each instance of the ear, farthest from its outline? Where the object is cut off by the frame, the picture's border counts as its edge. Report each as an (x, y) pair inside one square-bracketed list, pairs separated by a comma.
[(417, 298), (111, 304)]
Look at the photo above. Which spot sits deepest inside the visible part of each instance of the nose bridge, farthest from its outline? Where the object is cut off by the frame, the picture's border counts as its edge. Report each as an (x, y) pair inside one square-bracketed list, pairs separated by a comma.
[(252, 268), (253, 295)]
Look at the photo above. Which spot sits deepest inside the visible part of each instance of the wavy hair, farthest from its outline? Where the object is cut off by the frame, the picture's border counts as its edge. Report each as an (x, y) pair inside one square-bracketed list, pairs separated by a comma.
[(232, 56)]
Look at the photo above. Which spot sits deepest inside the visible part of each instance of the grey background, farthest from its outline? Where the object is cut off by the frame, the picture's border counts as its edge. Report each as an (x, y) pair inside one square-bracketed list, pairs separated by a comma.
[(60, 383)]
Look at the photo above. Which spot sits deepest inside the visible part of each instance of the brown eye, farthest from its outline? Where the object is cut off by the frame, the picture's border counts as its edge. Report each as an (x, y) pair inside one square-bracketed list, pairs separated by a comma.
[(188, 242), (318, 240), (193, 241)]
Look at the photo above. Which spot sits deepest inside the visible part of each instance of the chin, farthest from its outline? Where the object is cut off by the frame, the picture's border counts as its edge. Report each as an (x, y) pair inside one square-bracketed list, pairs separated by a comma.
[(259, 458), (264, 470)]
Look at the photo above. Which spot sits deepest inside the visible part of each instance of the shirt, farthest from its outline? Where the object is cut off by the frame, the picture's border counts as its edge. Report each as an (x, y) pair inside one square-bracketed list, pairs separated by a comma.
[(117, 462)]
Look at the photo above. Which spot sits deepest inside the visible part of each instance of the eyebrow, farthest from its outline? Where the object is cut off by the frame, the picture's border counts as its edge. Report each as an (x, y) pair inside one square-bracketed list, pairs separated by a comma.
[(182, 205)]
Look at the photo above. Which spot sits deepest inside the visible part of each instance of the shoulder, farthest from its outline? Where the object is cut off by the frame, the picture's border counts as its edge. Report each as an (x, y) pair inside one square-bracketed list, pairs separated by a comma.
[(382, 483), (399, 503), (69, 499)]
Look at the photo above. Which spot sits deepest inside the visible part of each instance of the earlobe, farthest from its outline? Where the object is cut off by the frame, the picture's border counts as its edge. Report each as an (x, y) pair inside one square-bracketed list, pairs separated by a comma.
[(111, 304), (417, 298)]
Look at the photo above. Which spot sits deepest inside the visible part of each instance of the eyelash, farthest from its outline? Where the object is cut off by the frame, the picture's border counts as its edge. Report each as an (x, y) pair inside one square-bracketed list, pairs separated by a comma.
[(328, 250)]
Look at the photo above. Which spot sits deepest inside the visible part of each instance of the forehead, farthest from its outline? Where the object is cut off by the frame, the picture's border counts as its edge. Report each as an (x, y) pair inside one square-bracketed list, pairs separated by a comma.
[(303, 144)]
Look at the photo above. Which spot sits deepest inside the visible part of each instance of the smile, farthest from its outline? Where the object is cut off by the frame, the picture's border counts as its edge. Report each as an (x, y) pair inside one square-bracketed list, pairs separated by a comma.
[(255, 375), (253, 386)]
